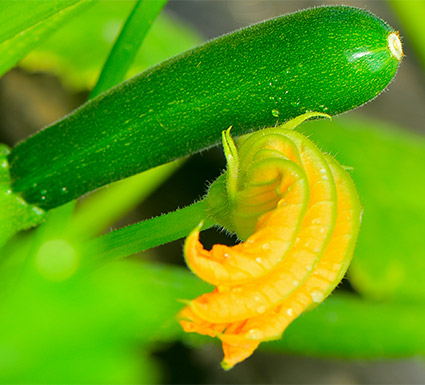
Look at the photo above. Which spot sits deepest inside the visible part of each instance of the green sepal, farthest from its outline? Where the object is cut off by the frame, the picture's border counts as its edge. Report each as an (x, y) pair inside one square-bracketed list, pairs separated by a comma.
[(218, 203), (16, 214), (232, 158)]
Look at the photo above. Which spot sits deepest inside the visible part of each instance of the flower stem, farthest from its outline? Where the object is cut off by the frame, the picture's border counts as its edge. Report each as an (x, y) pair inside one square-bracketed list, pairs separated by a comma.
[(145, 235)]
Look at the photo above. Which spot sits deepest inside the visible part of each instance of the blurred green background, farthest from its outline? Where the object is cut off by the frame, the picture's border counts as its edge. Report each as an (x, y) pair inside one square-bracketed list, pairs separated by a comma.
[(117, 325)]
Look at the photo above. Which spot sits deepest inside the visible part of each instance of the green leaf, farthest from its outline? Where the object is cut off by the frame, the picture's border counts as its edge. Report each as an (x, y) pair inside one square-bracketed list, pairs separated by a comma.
[(78, 65), (95, 330), (388, 164), (155, 293), (345, 326), (411, 14), (332, 329), (86, 331), (18, 16), (103, 208), (16, 214), (127, 44), (26, 23)]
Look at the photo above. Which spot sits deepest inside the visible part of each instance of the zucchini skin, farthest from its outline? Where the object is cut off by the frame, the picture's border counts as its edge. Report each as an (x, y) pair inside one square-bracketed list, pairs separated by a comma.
[(328, 59)]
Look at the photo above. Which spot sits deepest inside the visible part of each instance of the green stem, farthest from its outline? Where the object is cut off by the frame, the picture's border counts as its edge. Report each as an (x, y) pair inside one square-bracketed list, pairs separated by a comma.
[(146, 234), (127, 44)]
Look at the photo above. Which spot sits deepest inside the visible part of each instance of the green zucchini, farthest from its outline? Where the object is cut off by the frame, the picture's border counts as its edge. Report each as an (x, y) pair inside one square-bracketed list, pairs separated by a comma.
[(328, 59)]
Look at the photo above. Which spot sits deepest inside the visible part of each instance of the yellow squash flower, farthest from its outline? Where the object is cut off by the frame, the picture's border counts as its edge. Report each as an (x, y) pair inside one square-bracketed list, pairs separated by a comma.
[(298, 214)]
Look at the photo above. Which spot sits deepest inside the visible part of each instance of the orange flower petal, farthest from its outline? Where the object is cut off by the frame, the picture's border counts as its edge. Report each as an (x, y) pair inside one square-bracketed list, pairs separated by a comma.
[(259, 295), (299, 213), (224, 265), (321, 282)]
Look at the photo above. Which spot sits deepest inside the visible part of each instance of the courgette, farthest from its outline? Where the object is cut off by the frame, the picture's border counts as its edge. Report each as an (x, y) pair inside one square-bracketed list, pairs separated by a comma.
[(328, 59)]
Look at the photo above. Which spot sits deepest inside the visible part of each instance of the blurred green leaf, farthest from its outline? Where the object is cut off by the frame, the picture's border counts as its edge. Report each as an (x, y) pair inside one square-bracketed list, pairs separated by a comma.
[(411, 14), (65, 334), (127, 44), (16, 214), (345, 326), (101, 209), (98, 329), (154, 292), (79, 64), (94, 330), (26, 23), (18, 16), (389, 164)]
